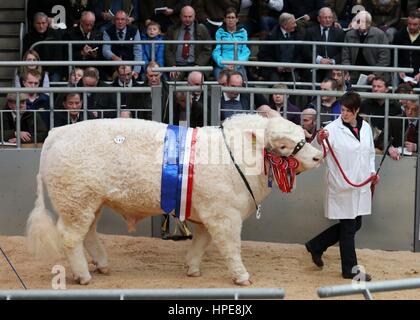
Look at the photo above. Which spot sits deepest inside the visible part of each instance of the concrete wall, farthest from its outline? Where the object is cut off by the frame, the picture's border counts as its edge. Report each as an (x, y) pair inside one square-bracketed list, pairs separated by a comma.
[(288, 218)]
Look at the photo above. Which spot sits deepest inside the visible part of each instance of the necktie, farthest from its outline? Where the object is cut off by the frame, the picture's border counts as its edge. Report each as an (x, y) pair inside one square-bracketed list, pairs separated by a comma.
[(286, 35), (186, 46), (324, 38), (411, 132), (120, 34)]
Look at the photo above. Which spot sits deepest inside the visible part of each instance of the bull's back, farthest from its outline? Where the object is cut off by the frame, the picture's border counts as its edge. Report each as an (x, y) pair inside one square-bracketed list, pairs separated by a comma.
[(118, 159)]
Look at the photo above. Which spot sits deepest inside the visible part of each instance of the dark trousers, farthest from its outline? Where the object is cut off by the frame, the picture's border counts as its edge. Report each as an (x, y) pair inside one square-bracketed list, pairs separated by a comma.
[(344, 233)]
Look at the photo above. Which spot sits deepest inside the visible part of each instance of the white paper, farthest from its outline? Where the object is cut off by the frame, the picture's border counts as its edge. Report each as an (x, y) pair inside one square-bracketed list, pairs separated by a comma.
[(158, 10), (409, 79), (110, 12), (362, 79), (406, 152), (299, 18), (215, 23), (10, 144)]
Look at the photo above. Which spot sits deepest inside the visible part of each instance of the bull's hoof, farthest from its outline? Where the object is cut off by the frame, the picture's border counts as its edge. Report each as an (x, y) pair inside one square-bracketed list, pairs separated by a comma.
[(194, 274), (103, 270), (244, 283), (82, 280)]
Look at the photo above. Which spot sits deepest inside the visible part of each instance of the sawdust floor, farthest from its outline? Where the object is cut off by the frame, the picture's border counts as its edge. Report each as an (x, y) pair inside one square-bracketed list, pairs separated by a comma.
[(140, 262)]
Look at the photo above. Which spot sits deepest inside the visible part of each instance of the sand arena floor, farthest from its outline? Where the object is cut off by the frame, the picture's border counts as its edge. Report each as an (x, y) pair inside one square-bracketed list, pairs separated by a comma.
[(140, 262)]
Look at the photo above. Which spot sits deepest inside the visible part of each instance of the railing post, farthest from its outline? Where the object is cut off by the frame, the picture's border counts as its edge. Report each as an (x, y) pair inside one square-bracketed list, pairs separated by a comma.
[(396, 74), (156, 103), (386, 122), (18, 117), (216, 93)]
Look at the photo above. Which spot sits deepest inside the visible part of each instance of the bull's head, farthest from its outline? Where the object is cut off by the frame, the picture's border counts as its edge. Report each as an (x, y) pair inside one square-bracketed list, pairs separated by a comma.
[(283, 136)]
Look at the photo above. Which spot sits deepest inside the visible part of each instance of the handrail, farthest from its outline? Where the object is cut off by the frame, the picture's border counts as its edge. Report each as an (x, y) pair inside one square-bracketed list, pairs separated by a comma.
[(72, 63), (21, 35), (366, 288), (316, 66), (249, 42)]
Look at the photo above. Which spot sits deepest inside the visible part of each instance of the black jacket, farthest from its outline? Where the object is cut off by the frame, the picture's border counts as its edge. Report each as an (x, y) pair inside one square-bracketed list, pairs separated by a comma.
[(332, 52), (407, 58)]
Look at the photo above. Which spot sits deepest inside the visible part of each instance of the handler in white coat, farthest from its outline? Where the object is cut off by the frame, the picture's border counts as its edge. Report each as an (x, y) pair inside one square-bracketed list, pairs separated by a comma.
[(351, 139)]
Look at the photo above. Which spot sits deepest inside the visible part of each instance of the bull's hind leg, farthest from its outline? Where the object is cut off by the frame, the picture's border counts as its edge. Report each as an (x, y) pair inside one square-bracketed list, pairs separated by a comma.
[(201, 240), (73, 227), (95, 247), (225, 232)]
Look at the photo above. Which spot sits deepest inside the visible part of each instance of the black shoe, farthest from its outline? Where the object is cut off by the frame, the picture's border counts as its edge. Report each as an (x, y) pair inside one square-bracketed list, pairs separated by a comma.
[(360, 276), (316, 257)]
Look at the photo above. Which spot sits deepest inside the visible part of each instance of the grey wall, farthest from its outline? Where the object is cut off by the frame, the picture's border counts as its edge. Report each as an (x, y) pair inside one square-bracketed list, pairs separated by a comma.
[(289, 218)]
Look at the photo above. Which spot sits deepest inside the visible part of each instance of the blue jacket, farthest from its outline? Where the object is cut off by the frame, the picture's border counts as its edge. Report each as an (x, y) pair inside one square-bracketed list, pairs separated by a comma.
[(226, 51), (159, 51)]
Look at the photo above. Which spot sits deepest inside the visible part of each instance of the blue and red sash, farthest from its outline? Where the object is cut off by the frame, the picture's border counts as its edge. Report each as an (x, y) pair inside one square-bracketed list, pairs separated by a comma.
[(178, 171)]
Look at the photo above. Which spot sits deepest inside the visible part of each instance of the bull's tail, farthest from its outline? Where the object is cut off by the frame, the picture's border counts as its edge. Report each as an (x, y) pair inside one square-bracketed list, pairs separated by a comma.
[(43, 239)]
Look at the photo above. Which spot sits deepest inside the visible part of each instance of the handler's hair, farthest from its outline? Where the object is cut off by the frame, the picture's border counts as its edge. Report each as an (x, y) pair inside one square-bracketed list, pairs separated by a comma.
[(351, 100)]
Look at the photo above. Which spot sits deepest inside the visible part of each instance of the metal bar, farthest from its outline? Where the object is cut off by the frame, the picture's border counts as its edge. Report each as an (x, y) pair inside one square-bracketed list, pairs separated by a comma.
[(118, 104), (216, 93), (313, 62), (188, 109), (386, 122), (367, 295), (378, 286), (181, 69), (247, 42), (18, 117), (316, 66), (205, 104), (157, 103), (152, 294), (51, 110), (77, 89), (171, 104), (70, 63)]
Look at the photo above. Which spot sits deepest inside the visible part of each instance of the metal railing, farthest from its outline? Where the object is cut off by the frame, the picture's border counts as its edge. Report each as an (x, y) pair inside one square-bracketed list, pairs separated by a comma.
[(366, 288), (149, 294)]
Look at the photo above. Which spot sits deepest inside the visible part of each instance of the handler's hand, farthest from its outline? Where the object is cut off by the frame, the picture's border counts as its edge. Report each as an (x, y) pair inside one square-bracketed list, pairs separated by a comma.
[(376, 179), (322, 135)]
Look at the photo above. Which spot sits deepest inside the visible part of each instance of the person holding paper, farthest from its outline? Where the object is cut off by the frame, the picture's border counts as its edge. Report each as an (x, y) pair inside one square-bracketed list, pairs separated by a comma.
[(364, 33), (410, 36)]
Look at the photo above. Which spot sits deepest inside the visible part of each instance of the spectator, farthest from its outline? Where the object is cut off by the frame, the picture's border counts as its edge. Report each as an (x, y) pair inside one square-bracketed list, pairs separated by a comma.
[(329, 104), (385, 15), (98, 103), (229, 31), (31, 55), (276, 102), (223, 76), (180, 111), (27, 122), (76, 76), (46, 52), (405, 132), (325, 32), (233, 101), (343, 10), (308, 123), (187, 54), (85, 31), (377, 107), (342, 77), (364, 33), (153, 33), (106, 11), (153, 78), (196, 78), (72, 104), (46, 6), (36, 101), (409, 36), (286, 30), (121, 31), (212, 13), (125, 79)]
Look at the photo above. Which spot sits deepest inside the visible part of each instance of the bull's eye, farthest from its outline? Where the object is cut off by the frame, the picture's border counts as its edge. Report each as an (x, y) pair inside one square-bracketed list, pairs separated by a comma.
[(282, 147)]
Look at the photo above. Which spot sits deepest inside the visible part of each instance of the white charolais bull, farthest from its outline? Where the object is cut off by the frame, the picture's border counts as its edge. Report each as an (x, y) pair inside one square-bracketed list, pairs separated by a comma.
[(118, 163)]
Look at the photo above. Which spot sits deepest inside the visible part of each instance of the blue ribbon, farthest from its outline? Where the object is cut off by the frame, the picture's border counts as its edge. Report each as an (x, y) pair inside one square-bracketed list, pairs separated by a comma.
[(173, 154)]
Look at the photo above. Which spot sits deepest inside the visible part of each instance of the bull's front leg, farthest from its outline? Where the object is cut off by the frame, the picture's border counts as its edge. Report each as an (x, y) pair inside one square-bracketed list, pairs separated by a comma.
[(200, 242), (225, 231)]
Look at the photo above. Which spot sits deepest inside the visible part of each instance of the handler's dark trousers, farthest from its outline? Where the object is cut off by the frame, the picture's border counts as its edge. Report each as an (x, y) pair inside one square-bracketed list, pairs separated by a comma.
[(343, 232)]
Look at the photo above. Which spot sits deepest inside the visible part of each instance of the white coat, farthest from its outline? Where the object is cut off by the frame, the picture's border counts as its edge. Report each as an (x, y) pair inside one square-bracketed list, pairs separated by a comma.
[(357, 158)]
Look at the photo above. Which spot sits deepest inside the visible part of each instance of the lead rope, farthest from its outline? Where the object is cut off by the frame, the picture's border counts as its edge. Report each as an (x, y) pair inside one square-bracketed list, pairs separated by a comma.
[(370, 179)]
